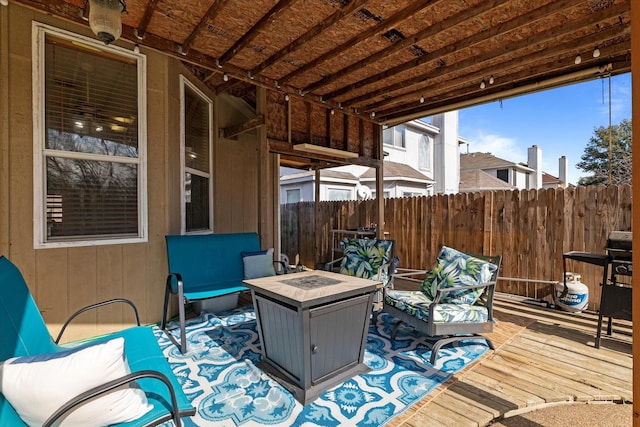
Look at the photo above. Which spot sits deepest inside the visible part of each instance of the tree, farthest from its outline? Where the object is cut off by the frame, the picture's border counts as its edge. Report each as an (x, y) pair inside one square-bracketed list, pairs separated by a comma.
[(595, 159)]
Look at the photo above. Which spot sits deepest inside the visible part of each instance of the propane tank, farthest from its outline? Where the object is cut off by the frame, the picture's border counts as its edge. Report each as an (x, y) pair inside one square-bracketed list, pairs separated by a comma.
[(571, 294)]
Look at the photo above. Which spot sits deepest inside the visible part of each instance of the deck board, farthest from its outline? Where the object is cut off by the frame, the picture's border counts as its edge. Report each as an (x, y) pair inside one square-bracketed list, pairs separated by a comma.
[(543, 357)]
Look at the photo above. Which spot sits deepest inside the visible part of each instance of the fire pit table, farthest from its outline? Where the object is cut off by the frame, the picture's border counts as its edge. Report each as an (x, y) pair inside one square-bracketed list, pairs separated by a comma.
[(313, 328)]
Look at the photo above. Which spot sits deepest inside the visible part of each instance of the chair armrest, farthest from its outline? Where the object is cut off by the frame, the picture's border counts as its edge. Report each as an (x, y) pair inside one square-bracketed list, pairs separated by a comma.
[(440, 292), (329, 266), (104, 388), (97, 305)]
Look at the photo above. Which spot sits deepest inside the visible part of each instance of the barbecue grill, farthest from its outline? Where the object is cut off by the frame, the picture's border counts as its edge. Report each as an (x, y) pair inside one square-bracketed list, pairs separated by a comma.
[(615, 299)]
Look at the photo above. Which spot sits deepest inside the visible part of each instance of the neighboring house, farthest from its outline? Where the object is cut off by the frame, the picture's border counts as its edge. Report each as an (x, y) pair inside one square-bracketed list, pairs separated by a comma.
[(418, 162), (484, 171), (334, 185)]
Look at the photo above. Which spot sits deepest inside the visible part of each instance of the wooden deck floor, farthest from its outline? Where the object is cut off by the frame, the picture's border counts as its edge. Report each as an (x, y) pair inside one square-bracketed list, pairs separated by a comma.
[(543, 357)]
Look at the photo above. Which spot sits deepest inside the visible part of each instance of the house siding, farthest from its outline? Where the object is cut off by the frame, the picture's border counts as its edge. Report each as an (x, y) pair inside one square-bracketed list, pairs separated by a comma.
[(63, 280)]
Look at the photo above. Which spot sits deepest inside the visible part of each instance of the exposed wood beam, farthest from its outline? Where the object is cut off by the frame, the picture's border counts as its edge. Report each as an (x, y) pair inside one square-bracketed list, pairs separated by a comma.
[(284, 148), (500, 69), (253, 32), (539, 79), (228, 85), (546, 36), (250, 124), (430, 31), (68, 12), (309, 35), (211, 13), (405, 13), (438, 54), (146, 18)]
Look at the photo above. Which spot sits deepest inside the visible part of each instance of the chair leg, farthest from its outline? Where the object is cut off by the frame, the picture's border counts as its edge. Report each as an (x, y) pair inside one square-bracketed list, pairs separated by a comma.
[(394, 331), (448, 340)]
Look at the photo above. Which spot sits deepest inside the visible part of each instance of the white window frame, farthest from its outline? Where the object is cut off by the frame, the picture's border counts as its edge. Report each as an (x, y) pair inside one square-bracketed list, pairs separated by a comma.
[(39, 31), (291, 190), (183, 169)]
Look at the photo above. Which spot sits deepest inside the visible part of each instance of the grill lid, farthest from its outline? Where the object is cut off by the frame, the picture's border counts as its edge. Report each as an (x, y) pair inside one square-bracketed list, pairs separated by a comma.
[(619, 241)]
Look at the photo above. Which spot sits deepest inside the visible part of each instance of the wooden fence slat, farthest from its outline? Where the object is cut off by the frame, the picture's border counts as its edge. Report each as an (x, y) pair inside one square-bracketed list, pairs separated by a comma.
[(530, 229)]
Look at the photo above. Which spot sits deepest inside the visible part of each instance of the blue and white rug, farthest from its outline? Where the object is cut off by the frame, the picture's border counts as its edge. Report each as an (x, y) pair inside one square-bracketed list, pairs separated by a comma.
[(220, 376)]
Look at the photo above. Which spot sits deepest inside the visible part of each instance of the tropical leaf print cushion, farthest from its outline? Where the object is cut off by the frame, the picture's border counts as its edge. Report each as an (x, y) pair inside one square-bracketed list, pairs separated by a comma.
[(454, 268), (363, 257)]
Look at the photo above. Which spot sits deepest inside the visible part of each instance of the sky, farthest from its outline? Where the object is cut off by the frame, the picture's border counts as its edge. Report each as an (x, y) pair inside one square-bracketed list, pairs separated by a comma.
[(559, 121)]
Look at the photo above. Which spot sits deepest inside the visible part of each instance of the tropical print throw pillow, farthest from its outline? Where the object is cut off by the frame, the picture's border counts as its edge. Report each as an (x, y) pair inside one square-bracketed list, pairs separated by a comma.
[(454, 268), (363, 257)]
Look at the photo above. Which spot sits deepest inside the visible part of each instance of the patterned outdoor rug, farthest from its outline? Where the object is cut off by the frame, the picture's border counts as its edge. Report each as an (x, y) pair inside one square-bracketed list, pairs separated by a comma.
[(220, 376)]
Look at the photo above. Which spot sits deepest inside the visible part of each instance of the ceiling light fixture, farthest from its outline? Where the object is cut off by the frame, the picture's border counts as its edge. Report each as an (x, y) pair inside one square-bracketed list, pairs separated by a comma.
[(105, 19), (596, 52), (578, 59), (483, 84)]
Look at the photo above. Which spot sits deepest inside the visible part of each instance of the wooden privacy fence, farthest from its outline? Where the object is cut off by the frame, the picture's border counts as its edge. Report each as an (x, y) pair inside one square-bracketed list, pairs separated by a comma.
[(531, 229)]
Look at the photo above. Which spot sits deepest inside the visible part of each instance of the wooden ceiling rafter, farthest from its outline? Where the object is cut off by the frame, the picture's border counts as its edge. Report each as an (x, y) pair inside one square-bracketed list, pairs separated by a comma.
[(309, 35), (208, 16), (468, 62), (430, 31), (141, 30), (247, 37), (554, 52), (249, 125), (511, 25), (316, 44), (378, 28)]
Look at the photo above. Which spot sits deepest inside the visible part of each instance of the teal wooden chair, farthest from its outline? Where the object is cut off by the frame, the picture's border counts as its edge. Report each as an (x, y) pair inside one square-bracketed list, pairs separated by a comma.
[(25, 336), (454, 302)]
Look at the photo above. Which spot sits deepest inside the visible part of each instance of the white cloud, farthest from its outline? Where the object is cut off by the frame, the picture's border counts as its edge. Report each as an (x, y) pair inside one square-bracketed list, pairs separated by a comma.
[(500, 146)]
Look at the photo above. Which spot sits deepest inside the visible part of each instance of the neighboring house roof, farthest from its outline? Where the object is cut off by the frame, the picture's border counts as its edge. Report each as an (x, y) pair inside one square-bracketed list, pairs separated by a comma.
[(549, 179), (471, 161), (476, 180), (393, 170)]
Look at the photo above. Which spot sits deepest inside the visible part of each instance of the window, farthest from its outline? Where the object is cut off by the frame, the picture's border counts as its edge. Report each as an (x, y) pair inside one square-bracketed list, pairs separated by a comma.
[(424, 153), (503, 174), (338, 194), (411, 194), (89, 141), (394, 136), (293, 196), (196, 122)]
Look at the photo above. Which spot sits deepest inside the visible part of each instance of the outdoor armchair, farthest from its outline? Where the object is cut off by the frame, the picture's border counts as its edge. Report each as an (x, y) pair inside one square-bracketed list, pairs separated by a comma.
[(42, 382), (454, 303), (368, 259)]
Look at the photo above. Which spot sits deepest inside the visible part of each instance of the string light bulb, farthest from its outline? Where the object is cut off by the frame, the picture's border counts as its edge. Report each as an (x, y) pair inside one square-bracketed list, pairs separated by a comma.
[(483, 84), (421, 99), (596, 52), (578, 59), (373, 114), (136, 48), (491, 79), (286, 97), (225, 77)]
